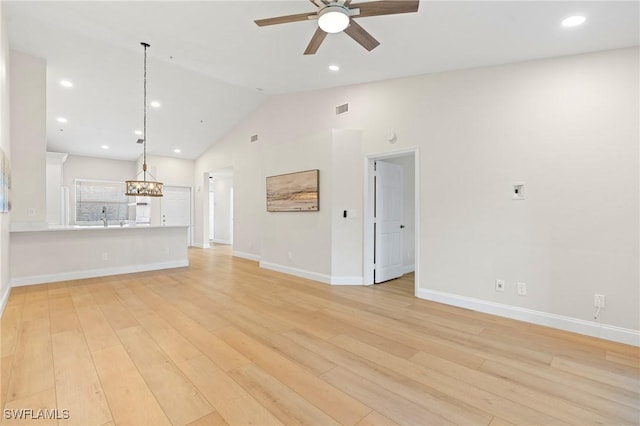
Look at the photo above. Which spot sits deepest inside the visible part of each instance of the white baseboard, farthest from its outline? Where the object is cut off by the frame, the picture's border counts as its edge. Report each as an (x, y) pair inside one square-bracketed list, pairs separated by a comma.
[(407, 269), (575, 325), (5, 299), (244, 255), (219, 241), (93, 273), (310, 275), (201, 245), (346, 280)]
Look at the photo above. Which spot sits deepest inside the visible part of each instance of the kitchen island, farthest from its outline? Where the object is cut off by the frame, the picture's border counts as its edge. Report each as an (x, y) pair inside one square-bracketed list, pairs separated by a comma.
[(61, 253)]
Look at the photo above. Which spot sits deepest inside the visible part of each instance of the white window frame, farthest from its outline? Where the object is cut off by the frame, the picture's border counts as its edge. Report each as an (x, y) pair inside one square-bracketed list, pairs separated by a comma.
[(114, 220)]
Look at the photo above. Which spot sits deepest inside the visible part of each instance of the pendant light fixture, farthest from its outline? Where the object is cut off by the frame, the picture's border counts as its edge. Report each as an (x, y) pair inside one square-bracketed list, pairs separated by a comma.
[(144, 187)]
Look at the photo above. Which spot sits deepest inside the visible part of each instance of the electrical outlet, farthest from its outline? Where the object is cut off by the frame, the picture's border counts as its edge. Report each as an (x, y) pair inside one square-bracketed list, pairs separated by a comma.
[(522, 289), (499, 285), (599, 300), (105, 256)]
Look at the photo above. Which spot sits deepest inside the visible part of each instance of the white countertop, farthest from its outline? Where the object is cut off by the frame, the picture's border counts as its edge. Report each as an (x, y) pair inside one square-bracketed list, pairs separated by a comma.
[(59, 228)]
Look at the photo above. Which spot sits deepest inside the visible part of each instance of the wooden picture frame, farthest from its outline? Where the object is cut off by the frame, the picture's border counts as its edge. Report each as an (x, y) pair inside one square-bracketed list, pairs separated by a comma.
[(294, 192)]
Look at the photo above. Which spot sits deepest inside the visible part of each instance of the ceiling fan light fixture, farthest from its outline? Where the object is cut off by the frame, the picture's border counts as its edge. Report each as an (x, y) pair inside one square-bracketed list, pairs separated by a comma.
[(333, 19)]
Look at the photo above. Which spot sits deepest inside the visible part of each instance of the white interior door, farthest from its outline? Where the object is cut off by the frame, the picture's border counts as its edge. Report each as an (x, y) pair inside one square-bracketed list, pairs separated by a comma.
[(389, 201), (176, 206)]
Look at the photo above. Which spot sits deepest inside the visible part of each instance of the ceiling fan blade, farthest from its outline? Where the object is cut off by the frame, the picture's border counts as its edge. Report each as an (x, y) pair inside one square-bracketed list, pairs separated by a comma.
[(319, 3), (285, 19), (359, 34), (386, 7), (316, 41)]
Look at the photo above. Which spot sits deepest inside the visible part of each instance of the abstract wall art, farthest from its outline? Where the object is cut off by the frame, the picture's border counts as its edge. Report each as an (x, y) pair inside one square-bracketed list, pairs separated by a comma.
[(294, 192)]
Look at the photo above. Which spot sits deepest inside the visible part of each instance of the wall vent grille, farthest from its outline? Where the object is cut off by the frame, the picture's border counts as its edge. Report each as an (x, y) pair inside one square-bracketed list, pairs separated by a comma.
[(342, 109), (254, 138)]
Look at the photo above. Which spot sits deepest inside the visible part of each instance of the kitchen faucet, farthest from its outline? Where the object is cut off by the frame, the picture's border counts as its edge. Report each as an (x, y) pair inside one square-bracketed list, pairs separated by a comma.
[(104, 216)]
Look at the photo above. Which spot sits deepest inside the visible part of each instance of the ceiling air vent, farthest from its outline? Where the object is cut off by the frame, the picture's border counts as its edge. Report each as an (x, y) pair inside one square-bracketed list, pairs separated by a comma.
[(342, 109), (254, 138)]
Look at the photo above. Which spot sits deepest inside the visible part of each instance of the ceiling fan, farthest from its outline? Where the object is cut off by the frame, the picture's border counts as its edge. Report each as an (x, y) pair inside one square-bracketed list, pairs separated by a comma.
[(335, 16)]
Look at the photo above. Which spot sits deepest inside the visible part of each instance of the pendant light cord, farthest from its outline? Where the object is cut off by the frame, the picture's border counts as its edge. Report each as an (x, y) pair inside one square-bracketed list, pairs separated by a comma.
[(143, 188), (144, 124)]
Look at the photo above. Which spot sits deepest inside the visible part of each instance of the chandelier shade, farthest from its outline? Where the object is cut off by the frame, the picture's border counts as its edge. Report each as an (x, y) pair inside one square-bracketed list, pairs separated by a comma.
[(144, 187)]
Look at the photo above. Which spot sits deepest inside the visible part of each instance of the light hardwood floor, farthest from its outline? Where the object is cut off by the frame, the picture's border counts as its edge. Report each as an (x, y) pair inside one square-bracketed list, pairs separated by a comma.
[(224, 342)]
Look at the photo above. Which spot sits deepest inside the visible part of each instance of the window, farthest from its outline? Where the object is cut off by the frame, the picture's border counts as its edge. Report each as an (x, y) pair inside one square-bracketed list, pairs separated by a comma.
[(93, 195)]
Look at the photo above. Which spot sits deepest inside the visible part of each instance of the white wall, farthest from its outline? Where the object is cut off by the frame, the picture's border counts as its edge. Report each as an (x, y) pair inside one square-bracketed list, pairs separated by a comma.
[(346, 194), (318, 245), (54, 174), (79, 167), (28, 79), (567, 127), (5, 145), (171, 172), (297, 240)]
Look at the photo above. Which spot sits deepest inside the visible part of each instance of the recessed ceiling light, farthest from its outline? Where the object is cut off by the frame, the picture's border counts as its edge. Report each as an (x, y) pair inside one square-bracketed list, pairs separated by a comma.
[(177, 151), (104, 146), (155, 104), (573, 21), (66, 83), (61, 120), (138, 132), (334, 68)]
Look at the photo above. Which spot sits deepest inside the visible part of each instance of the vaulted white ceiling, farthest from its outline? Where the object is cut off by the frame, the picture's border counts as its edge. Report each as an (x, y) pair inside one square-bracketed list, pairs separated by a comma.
[(210, 65)]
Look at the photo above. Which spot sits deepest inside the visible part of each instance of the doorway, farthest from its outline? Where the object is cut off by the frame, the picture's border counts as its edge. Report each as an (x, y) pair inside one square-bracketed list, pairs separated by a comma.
[(221, 206), (391, 243)]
